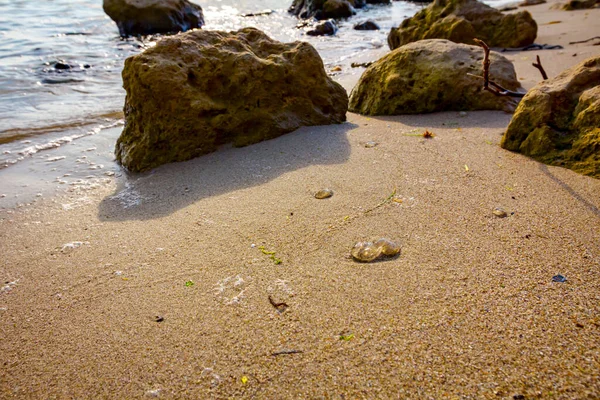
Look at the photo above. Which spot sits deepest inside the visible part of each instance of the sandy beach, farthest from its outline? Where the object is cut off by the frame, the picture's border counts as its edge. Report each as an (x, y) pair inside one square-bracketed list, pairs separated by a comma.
[(159, 285)]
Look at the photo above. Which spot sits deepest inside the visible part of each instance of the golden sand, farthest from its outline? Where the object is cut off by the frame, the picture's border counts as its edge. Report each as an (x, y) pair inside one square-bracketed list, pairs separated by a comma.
[(173, 287)]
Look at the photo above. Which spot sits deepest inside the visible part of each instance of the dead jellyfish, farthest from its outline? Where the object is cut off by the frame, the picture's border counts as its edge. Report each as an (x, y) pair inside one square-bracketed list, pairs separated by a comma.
[(500, 213), (324, 194), (365, 251), (388, 248)]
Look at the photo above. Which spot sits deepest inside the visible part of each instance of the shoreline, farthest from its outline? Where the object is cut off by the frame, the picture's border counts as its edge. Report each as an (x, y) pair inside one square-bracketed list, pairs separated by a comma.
[(156, 285)]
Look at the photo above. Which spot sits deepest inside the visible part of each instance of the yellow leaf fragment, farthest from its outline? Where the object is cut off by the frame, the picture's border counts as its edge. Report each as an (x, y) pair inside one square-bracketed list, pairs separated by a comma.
[(244, 379)]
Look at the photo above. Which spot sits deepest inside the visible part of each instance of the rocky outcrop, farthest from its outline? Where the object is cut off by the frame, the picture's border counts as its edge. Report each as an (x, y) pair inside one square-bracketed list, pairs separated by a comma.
[(462, 20), (558, 121), (136, 17), (197, 90), (431, 75)]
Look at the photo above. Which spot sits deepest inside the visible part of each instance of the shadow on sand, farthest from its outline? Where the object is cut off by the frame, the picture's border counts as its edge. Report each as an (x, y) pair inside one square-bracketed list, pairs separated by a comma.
[(487, 119), (544, 168), (171, 187)]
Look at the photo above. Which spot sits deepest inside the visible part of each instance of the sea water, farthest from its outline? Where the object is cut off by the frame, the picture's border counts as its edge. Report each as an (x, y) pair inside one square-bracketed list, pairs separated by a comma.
[(58, 126)]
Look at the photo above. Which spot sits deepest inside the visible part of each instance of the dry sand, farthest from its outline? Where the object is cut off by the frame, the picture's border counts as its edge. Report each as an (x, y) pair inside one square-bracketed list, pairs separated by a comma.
[(469, 310)]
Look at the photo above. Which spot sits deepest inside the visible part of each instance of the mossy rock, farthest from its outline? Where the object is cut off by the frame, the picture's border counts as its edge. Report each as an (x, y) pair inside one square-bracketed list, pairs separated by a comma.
[(197, 90), (463, 20), (429, 76), (558, 121)]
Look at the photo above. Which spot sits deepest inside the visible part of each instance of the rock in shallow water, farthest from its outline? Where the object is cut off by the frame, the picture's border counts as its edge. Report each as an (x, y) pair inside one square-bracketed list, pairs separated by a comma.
[(368, 25), (368, 251), (135, 17), (325, 28), (195, 91)]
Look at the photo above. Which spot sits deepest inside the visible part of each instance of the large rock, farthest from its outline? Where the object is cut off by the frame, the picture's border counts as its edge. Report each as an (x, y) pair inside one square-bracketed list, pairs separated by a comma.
[(337, 9), (580, 4), (145, 17), (197, 90), (558, 121), (324, 9), (431, 75), (463, 20)]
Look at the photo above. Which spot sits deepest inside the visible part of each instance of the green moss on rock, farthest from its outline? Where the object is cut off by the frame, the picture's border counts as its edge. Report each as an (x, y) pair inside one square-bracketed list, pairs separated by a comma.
[(195, 91), (429, 76), (558, 121), (463, 20)]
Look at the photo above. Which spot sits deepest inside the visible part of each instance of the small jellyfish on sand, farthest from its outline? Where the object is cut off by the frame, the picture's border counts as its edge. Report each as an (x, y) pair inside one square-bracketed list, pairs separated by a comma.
[(500, 213), (324, 194), (371, 251)]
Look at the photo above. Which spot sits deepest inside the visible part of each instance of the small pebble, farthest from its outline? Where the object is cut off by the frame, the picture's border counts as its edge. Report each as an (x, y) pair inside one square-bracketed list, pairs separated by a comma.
[(324, 194), (371, 144), (500, 213)]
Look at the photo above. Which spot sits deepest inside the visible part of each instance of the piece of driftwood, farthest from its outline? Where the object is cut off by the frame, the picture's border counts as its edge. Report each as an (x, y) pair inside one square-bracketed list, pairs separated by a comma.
[(534, 46), (489, 85), (586, 40), (281, 307), (258, 14), (538, 65), (357, 65), (285, 352)]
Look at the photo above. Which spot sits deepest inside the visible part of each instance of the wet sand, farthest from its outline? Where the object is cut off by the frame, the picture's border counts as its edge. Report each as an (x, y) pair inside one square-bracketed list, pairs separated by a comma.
[(160, 285)]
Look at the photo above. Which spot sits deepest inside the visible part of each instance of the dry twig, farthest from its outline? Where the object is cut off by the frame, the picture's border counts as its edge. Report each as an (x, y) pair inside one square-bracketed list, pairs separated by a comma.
[(281, 307), (585, 41), (492, 86), (538, 65), (285, 352)]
